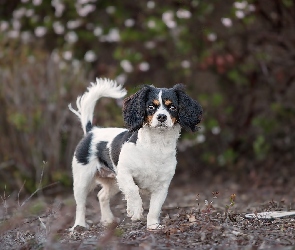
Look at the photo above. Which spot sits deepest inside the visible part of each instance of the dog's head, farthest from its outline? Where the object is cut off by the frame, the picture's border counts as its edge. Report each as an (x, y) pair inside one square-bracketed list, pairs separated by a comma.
[(161, 108)]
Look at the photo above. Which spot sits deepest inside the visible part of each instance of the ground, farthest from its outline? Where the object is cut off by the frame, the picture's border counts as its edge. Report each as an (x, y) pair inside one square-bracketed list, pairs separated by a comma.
[(195, 215)]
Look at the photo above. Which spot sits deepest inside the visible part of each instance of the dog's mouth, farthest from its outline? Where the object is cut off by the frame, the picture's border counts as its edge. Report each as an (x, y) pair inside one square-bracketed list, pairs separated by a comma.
[(161, 125)]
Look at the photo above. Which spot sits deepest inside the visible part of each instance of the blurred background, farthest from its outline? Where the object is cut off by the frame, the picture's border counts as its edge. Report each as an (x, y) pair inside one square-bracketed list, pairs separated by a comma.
[(237, 58)]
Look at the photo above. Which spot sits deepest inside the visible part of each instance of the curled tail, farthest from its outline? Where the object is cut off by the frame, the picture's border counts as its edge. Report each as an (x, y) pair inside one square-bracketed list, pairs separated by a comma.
[(86, 102)]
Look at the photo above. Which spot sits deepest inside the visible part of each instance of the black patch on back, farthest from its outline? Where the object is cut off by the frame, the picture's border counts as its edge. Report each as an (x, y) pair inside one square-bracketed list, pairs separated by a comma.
[(88, 127), (103, 155), (83, 149), (119, 140)]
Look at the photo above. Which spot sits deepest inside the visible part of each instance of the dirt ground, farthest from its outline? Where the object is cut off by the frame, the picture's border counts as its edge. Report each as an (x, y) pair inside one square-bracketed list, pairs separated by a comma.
[(195, 215)]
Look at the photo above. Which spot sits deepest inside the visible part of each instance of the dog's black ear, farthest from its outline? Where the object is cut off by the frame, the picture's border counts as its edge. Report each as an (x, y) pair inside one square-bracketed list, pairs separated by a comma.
[(189, 111), (134, 108)]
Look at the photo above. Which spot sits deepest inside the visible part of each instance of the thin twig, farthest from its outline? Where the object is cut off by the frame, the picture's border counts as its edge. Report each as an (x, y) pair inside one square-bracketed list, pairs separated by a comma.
[(37, 191), (177, 207), (20, 191)]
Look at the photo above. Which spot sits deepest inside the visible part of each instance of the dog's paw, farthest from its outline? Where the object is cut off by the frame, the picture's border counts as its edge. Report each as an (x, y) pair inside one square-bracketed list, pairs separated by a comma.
[(155, 227), (107, 222), (79, 228), (135, 213)]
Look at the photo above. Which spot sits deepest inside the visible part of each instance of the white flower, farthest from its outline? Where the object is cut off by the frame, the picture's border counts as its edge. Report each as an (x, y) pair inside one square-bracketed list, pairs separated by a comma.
[(212, 37), (150, 4), (40, 31), (168, 19), (97, 31), (29, 12), (215, 130), (71, 37), (26, 36), (19, 13), (113, 36), (251, 7), (121, 79), (37, 2), (3, 25), (129, 22), (182, 13), (150, 44), (13, 34), (73, 24), (227, 22), (185, 64), (110, 9), (127, 66), (85, 1), (16, 24), (76, 63), (240, 5), (151, 24), (240, 14), (58, 28), (67, 55), (167, 16), (200, 138), (85, 10), (58, 6), (144, 66), (90, 56)]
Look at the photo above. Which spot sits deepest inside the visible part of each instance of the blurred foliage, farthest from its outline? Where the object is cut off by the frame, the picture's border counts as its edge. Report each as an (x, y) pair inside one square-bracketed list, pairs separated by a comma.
[(235, 57)]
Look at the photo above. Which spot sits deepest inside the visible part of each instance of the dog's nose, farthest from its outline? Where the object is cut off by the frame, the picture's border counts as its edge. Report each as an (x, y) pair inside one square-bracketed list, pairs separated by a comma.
[(162, 117)]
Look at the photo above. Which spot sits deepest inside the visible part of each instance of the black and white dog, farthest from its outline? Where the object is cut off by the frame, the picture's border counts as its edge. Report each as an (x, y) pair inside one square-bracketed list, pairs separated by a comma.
[(143, 156)]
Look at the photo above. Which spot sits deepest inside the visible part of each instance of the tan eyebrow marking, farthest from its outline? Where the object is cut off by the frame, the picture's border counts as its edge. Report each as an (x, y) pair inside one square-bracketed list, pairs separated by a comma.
[(156, 102), (167, 102)]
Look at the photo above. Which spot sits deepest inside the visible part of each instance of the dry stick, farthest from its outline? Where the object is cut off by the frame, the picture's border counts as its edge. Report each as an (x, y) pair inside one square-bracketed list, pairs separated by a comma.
[(20, 191), (41, 177), (171, 208), (37, 191), (4, 200)]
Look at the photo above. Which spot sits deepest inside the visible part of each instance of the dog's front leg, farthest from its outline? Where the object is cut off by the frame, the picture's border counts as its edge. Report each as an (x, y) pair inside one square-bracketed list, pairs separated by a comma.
[(157, 199), (131, 192)]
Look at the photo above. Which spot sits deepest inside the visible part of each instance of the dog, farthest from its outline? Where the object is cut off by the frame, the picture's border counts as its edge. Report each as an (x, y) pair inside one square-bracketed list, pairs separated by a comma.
[(141, 156)]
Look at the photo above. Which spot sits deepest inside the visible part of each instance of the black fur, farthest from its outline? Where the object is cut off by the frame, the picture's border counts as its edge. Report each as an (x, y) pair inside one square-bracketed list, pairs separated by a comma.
[(103, 155), (189, 111), (170, 94), (134, 108), (88, 127), (118, 141), (83, 149)]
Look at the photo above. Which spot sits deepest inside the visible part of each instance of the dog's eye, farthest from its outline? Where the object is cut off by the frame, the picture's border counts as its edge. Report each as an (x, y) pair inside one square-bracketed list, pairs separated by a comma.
[(151, 107), (172, 108)]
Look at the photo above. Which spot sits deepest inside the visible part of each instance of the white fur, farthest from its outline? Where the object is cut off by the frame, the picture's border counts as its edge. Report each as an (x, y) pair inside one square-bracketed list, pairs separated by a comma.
[(86, 103), (151, 167), (148, 164)]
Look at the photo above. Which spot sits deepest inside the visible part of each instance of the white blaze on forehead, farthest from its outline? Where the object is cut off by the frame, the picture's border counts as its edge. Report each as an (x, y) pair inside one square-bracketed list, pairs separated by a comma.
[(160, 100)]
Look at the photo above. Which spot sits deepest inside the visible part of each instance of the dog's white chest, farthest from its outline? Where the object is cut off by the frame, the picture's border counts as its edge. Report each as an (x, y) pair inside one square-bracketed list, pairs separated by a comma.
[(152, 165)]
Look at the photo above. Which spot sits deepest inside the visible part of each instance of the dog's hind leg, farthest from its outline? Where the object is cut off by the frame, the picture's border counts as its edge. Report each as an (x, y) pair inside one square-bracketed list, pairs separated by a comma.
[(83, 176), (109, 189)]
